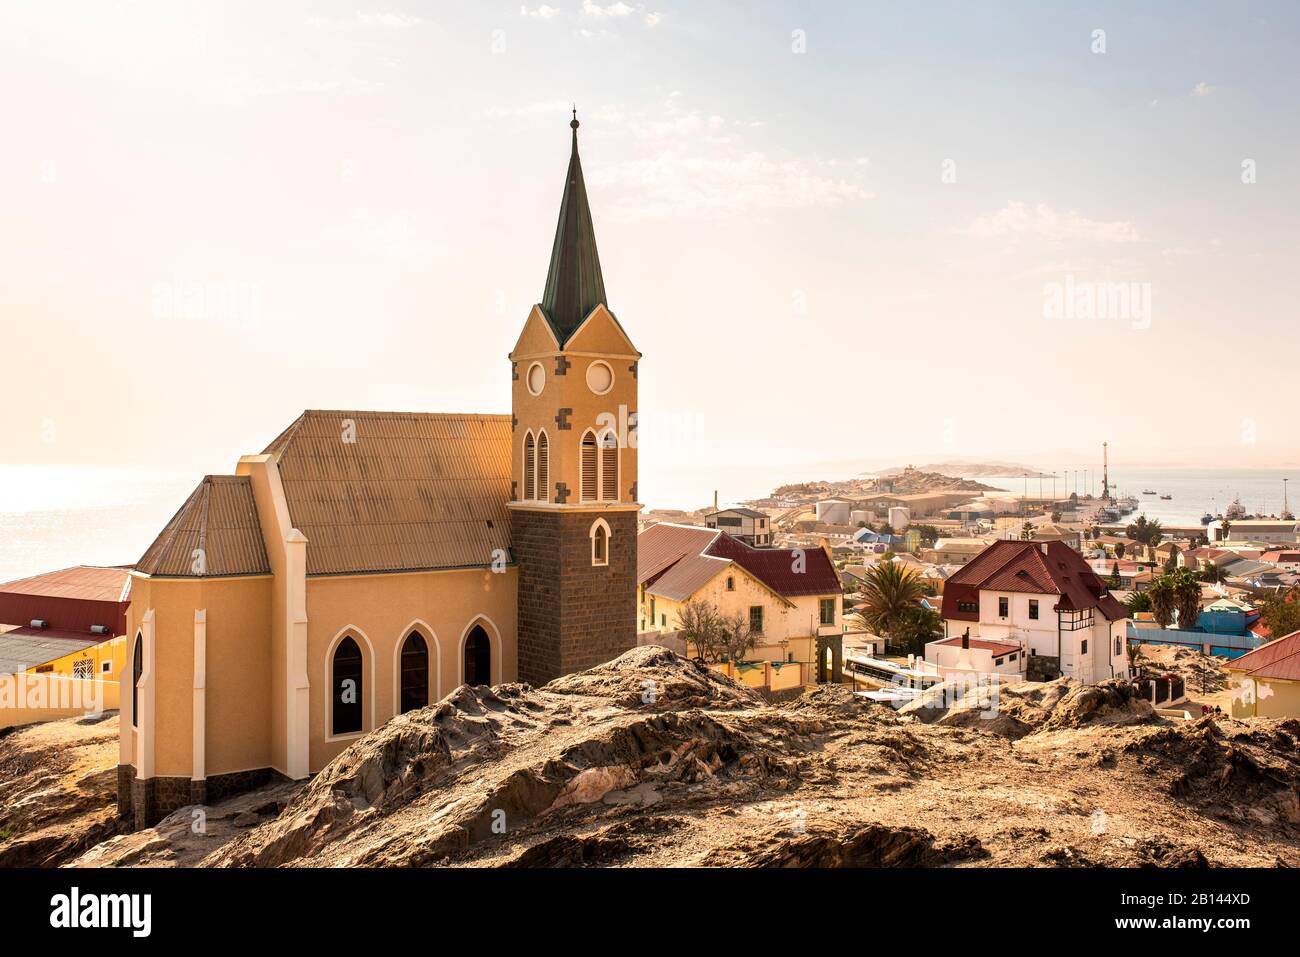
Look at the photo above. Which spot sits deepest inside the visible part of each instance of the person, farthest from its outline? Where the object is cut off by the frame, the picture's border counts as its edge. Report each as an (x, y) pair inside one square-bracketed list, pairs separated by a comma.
[(1205, 709)]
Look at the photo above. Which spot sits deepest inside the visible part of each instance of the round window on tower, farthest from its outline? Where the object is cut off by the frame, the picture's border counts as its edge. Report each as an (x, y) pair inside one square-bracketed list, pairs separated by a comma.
[(600, 377), (536, 378)]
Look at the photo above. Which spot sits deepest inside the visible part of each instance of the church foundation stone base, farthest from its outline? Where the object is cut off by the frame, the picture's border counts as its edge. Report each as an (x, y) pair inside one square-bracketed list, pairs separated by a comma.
[(146, 801)]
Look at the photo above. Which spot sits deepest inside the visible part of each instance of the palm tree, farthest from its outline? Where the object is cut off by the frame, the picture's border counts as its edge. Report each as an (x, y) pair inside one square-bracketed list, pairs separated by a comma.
[(1187, 597), (916, 626), (890, 590), (1213, 574), (1163, 601)]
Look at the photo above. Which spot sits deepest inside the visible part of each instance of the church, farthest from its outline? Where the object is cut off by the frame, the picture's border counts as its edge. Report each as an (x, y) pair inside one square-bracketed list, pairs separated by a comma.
[(365, 564)]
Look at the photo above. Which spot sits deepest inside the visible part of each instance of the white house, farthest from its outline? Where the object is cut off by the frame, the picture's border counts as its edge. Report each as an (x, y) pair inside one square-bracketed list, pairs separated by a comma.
[(1041, 596)]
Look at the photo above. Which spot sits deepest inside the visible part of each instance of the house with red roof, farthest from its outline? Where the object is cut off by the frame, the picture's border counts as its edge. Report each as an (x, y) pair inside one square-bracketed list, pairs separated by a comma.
[(789, 597), (1265, 682), (1035, 599)]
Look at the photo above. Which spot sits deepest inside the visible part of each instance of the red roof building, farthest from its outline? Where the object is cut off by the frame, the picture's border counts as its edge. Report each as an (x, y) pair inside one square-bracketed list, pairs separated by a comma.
[(1266, 682)]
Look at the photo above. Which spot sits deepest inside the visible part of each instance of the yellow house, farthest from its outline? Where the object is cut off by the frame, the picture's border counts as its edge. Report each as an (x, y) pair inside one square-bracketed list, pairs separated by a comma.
[(1266, 682), (367, 563), (790, 598), (63, 635)]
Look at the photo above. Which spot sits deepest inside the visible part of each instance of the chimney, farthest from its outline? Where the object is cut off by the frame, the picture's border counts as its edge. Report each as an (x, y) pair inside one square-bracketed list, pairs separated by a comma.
[(715, 499), (965, 640)]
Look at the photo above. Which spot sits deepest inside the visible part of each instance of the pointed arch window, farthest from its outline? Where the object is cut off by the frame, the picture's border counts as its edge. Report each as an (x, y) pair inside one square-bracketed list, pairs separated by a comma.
[(609, 467), (414, 673), (530, 467), (599, 542), (477, 659), (543, 468), (345, 688), (137, 668), (589, 463)]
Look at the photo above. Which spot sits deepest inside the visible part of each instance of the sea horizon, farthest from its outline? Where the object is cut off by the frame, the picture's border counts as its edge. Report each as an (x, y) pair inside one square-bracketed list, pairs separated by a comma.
[(55, 516)]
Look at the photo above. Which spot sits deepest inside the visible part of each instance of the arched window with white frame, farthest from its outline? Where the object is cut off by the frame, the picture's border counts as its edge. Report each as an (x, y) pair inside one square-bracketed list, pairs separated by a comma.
[(530, 460)]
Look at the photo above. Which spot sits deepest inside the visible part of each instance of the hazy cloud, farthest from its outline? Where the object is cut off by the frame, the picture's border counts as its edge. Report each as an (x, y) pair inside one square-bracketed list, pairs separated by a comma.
[(1044, 222)]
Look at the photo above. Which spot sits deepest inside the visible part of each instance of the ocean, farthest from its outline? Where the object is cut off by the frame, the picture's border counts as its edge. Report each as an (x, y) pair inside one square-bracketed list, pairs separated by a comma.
[(55, 516)]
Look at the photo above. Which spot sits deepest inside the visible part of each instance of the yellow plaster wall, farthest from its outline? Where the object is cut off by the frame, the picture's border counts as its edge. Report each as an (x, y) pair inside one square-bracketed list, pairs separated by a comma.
[(380, 611), (238, 687)]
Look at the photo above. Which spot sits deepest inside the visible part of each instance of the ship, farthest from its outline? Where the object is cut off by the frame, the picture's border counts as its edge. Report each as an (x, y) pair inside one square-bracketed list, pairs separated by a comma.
[(1165, 498), (1148, 491)]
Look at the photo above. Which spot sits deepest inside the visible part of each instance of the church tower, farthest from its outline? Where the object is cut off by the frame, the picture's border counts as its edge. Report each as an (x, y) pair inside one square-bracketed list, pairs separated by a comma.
[(574, 490)]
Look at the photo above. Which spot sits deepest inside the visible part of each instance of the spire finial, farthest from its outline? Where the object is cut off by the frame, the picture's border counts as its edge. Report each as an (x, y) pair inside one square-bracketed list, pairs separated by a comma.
[(573, 123)]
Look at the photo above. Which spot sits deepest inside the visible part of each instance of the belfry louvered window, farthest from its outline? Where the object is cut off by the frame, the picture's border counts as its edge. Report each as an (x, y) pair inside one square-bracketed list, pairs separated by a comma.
[(530, 464), (609, 467), (588, 463), (543, 468)]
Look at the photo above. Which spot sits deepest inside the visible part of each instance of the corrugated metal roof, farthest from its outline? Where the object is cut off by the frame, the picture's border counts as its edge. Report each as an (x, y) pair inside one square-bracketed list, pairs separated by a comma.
[(1276, 659), (676, 560), (397, 491), (83, 582), (23, 648), (777, 568), (219, 519)]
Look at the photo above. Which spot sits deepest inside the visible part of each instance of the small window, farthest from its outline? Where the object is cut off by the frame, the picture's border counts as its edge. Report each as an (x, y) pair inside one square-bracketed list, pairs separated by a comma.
[(997, 661), (652, 608), (827, 608), (1003, 607), (1118, 649), (1083, 648), (83, 668), (756, 619), (599, 545), (1033, 608), (1012, 657), (108, 667), (731, 583), (663, 621)]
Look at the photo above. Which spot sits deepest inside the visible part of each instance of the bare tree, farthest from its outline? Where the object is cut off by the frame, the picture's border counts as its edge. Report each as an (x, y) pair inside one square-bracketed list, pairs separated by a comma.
[(702, 626), (737, 640)]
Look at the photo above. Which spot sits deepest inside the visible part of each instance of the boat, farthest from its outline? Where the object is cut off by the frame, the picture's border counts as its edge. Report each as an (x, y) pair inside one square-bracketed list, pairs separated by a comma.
[(1148, 491), (1165, 498)]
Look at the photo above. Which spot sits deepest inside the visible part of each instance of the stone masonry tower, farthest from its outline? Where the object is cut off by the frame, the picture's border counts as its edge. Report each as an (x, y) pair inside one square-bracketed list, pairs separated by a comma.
[(574, 501)]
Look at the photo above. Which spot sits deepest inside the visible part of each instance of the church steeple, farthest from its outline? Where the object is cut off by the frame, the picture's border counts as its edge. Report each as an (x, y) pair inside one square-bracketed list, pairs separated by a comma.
[(574, 285)]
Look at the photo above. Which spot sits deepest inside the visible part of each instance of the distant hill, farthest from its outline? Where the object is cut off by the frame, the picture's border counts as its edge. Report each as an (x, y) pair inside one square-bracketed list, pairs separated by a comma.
[(969, 469)]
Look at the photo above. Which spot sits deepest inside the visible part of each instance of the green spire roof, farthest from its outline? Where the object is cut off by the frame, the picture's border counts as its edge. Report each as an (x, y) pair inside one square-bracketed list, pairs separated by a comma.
[(574, 285)]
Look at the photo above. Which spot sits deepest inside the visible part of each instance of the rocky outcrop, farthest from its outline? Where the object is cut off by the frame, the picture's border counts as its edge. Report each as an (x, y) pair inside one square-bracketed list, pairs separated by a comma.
[(651, 760), (58, 789)]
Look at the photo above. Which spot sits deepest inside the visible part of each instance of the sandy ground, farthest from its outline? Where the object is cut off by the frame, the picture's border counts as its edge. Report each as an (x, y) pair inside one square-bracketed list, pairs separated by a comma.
[(651, 761)]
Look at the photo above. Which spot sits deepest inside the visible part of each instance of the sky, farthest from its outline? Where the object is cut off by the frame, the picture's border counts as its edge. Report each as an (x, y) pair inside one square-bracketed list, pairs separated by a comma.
[(837, 231)]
